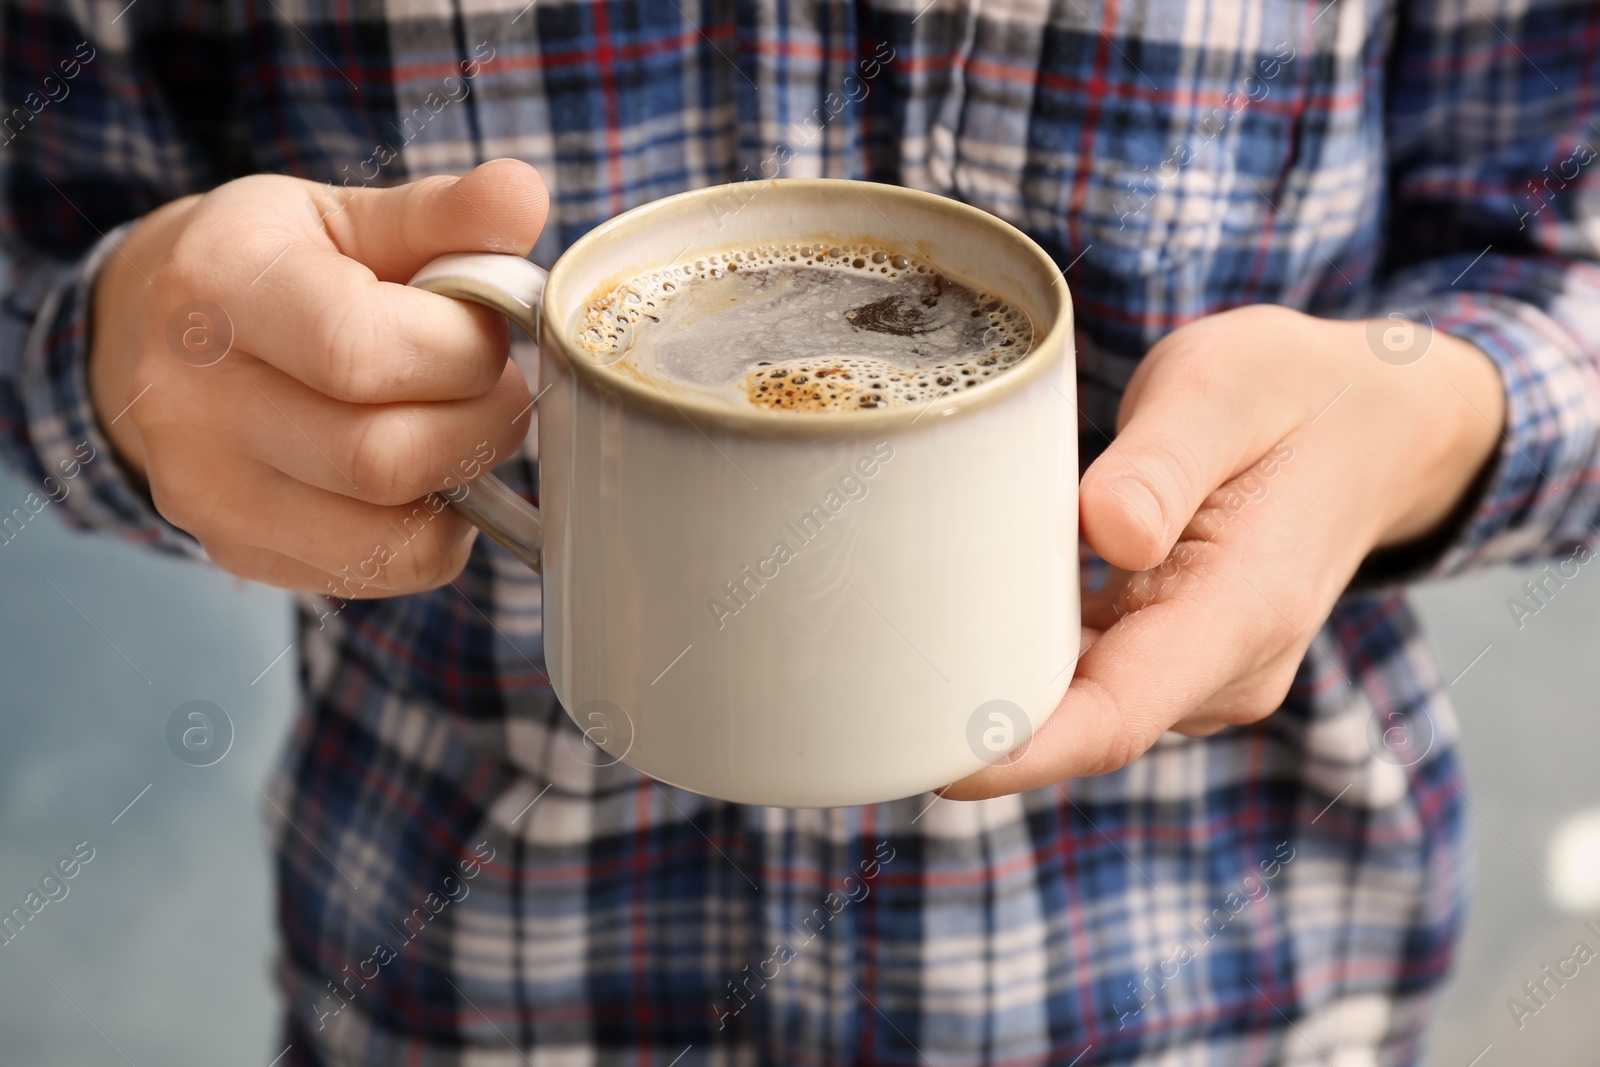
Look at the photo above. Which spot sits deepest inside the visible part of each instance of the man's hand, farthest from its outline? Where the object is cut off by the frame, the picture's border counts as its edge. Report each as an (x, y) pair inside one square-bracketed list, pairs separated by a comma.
[(345, 399), (1260, 456)]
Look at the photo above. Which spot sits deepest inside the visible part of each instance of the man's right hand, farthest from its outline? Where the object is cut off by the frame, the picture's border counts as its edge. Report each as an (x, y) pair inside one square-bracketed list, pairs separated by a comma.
[(346, 397)]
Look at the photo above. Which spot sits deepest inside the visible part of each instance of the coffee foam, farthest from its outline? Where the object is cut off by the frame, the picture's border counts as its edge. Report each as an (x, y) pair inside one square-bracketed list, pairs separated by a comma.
[(806, 327)]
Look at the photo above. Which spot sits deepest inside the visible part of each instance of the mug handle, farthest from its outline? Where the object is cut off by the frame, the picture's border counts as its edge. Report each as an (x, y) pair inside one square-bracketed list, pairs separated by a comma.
[(514, 287)]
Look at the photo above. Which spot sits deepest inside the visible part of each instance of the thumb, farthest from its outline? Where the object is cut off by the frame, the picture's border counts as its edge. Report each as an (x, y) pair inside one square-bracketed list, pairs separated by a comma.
[(499, 206), (1182, 439)]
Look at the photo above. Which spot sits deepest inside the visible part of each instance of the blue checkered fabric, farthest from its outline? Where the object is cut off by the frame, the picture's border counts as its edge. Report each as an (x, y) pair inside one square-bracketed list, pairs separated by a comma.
[(1274, 894)]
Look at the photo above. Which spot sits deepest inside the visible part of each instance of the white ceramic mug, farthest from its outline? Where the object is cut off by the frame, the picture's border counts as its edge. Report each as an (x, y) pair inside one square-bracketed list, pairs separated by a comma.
[(787, 608)]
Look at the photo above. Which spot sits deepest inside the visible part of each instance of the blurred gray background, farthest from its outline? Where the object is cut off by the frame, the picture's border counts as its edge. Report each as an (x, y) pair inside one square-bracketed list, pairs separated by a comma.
[(160, 954)]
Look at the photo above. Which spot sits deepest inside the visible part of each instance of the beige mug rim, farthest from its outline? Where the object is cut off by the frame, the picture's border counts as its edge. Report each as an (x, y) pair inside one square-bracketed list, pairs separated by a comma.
[(1046, 353)]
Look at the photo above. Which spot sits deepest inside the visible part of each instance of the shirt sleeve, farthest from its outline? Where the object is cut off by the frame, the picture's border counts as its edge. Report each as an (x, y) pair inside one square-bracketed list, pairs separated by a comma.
[(50, 432), (1494, 140), (90, 139)]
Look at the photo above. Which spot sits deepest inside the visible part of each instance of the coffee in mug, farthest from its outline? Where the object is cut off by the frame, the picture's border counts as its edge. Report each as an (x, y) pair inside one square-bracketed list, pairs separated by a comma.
[(807, 327)]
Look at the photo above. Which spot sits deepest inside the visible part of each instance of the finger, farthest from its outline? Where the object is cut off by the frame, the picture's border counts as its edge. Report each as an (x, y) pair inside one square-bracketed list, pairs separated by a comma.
[(500, 206), (327, 321), (1246, 699), (1141, 676), (270, 568), (366, 547), (321, 295), (379, 453), (1201, 727), (1186, 430)]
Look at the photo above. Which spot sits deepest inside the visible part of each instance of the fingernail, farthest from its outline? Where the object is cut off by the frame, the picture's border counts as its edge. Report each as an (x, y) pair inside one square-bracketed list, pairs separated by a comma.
[(1142, 502)]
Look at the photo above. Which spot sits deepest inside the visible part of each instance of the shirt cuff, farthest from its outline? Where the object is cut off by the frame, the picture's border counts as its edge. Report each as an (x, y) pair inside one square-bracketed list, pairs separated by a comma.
[(1538, 497), (60, 446)]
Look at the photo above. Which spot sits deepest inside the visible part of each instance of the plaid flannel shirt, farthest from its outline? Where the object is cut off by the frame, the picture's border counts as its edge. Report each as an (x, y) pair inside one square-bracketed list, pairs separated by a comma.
[(1272, 894)]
